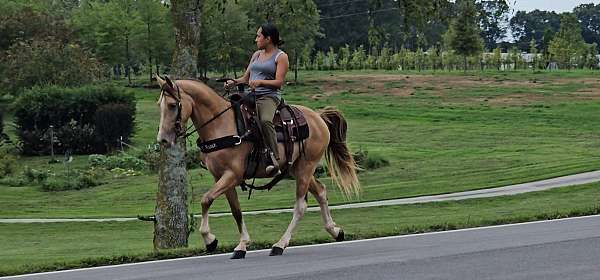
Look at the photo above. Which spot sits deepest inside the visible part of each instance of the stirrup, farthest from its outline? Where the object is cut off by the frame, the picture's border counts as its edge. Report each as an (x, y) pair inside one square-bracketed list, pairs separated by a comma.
[(273, 168)]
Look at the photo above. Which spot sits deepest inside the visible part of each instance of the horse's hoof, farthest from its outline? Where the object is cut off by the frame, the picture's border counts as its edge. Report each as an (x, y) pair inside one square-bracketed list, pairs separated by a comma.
[(238, 255), (212, 246), (340, 236), (276, 251)]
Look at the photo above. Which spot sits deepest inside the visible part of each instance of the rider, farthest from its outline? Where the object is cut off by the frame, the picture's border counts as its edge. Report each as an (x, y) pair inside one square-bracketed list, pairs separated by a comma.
[(266, 75)]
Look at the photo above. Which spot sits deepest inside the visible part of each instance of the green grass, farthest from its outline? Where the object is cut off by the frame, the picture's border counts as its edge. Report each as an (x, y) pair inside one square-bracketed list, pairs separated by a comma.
[(51, 246), (455, 133)]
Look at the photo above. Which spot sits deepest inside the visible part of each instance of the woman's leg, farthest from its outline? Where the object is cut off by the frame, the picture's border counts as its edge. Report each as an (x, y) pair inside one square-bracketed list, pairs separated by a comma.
[(266, 107)]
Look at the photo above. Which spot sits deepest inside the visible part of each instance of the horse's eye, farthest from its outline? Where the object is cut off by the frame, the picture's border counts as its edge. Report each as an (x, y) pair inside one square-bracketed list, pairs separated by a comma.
[(172, 106)]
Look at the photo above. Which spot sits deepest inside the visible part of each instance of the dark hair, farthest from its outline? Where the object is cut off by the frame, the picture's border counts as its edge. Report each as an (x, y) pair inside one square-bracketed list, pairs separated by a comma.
[(270, 30)]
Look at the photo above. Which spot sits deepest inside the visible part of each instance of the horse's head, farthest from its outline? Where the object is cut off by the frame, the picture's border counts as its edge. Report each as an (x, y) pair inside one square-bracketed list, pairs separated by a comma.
[(175, 109)]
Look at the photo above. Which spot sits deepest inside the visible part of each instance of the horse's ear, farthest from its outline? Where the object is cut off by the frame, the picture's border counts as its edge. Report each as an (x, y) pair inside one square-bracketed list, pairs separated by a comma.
[(160, 81), (169, 82)]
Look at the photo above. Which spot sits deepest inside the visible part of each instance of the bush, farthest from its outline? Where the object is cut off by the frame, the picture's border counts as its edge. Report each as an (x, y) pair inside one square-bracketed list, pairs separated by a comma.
[(13, 181), (87, 179), (123, 161), (369, 162), (3, 135), (73, 112), (36, 176), (113, 121), (8, 162)]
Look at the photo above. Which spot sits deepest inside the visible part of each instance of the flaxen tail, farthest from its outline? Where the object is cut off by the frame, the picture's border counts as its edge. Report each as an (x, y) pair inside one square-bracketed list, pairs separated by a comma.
[(339, 159)]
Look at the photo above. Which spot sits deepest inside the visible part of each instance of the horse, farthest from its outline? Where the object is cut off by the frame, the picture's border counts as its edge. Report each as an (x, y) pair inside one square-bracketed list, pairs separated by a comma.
[(212, 118)]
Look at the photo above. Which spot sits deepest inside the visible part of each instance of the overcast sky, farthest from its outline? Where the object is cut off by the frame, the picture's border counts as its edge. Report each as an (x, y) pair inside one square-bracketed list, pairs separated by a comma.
[(550, 5)]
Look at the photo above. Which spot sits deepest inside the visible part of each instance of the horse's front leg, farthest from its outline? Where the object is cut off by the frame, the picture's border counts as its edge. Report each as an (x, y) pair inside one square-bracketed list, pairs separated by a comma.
[(226, 182), (240, 251)]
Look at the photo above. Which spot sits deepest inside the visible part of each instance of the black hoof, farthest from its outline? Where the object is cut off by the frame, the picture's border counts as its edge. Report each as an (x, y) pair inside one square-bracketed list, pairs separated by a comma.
[(238, 255), (340, 236), (212, 246), (276, 251)]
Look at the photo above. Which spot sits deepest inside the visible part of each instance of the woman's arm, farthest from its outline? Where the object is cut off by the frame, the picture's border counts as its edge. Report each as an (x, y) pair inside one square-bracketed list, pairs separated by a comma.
[(282, 69), (246, 77)]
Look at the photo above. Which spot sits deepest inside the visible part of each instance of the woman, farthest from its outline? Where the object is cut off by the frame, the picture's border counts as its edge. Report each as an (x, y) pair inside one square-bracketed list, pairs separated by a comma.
[(266, 75)]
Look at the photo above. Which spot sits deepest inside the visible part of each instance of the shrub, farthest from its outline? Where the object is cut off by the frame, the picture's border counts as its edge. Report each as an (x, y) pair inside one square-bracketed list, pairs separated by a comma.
[(113, 121), (13, 181), (3, 136), (73, 113), (36, 176), (87, 179), (369, 162), (8, 162), (151, 156), (123, 161)]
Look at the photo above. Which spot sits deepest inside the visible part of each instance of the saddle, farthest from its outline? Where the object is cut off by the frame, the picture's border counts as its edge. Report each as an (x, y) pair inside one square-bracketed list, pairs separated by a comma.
[(290, 126)]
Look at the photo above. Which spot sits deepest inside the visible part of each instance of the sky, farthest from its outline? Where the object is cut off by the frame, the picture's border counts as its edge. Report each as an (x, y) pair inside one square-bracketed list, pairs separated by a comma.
[(558, 6)]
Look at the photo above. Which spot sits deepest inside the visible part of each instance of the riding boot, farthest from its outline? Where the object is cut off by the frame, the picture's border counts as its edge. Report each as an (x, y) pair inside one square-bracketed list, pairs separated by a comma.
[(270, 140)]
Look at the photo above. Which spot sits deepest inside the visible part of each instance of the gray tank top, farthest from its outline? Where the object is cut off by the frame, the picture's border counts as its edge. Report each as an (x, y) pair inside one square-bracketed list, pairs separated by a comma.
[(265, 71)]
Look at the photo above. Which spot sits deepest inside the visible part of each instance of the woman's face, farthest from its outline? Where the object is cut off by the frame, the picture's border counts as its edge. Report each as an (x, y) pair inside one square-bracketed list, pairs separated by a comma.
[(261, 40)]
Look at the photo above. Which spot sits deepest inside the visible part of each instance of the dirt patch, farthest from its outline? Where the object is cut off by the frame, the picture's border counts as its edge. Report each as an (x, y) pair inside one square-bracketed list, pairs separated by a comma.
[(406, 85)]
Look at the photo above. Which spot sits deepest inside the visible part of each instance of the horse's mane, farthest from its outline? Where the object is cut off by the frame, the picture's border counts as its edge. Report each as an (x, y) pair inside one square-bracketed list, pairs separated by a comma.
[(203, 85)]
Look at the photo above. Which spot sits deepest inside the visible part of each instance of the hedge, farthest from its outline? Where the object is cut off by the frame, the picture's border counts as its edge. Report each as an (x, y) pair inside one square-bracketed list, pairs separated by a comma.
[(79, 117)]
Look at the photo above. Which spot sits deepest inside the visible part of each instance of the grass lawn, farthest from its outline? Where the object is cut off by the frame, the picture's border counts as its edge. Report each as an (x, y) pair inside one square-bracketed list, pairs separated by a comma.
[(51, 246), (442, 132)]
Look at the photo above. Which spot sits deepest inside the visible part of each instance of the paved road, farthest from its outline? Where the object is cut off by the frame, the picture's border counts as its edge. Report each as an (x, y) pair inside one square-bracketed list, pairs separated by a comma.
[(571, 180), (559, 249)]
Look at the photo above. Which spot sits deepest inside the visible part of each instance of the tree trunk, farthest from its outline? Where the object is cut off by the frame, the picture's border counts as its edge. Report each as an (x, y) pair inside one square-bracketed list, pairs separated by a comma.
[(171, 228), (149, 54), (295, 66), (186, 20), (128, 57)]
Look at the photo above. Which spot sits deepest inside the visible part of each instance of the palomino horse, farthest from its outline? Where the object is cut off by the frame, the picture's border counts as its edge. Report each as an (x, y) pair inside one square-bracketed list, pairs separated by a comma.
[(187, 99)]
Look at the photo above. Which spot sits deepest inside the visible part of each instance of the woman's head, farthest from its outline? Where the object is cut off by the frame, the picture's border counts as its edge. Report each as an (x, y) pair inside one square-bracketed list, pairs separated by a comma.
[(267, 34)]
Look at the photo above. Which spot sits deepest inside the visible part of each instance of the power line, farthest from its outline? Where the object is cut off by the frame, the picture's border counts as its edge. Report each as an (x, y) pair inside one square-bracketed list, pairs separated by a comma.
[(361, 13), (342, 2)]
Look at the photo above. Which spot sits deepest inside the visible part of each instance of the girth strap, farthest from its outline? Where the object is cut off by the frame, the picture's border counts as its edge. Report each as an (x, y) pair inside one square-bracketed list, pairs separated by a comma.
[(219, 143)]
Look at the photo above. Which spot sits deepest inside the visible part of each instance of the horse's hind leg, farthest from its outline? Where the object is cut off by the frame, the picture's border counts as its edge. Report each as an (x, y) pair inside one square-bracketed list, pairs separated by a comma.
[(318, 190), (240, 251), (303, 178)]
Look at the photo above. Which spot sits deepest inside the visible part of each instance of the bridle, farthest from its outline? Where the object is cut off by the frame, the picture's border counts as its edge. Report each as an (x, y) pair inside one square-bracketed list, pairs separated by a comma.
[(179, 130)]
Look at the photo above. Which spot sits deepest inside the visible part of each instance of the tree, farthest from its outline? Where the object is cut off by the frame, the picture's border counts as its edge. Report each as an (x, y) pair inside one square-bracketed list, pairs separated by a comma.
[(589, 16), (492, 16), (187, 19), (158, 40), (497, 58), (110, 29), (534, 54), (463, 34), (532, 25), (568, 42), (38, 47), (171, 229), (225, 37)]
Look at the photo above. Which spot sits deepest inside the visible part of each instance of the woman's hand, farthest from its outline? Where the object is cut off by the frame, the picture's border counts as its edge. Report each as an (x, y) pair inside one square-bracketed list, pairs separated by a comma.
[(254, 84), (229, 84)]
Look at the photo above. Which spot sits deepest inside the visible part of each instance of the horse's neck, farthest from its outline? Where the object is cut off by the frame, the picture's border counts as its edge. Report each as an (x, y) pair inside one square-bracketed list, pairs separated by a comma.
[(206, 106)]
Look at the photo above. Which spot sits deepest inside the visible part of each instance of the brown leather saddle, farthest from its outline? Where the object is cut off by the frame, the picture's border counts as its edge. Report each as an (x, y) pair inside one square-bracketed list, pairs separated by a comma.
[(290, 126)]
